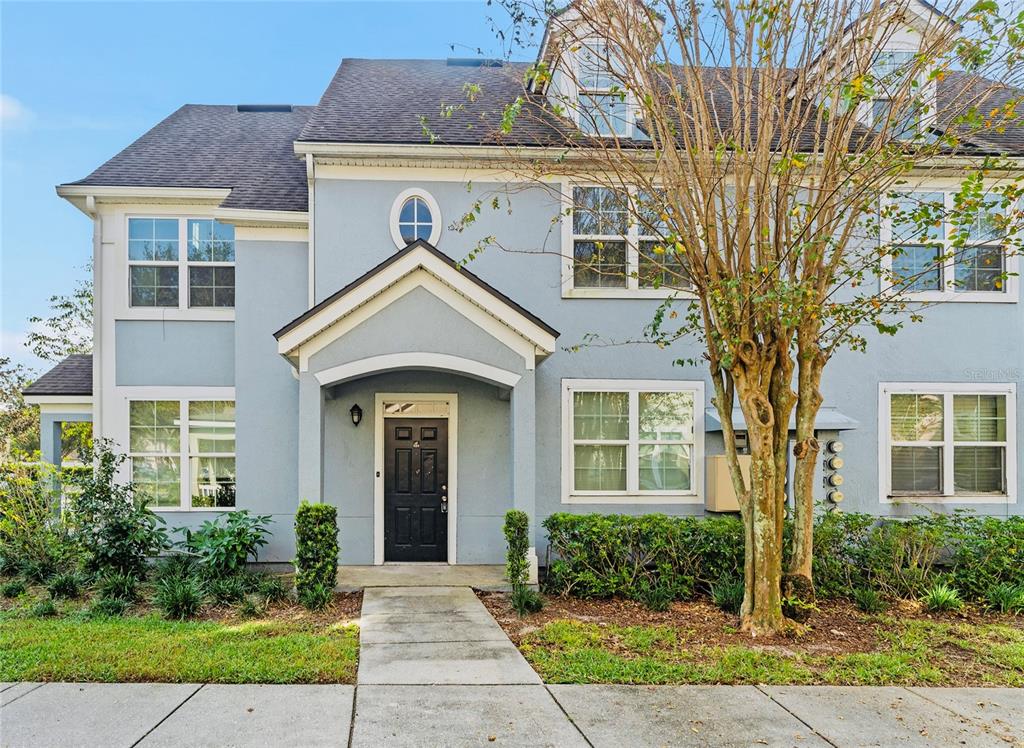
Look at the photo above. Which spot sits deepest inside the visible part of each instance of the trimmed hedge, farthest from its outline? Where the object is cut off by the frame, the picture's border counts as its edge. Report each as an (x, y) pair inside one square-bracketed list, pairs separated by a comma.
[(316, 547), (641, 558), (516, 528)]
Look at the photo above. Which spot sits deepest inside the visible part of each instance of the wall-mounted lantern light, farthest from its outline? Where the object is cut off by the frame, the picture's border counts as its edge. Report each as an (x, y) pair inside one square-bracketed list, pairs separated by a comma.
[(357, 414)]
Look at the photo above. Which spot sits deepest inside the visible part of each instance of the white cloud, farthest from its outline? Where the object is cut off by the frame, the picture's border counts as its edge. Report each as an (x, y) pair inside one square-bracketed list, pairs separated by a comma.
[(13, 114)]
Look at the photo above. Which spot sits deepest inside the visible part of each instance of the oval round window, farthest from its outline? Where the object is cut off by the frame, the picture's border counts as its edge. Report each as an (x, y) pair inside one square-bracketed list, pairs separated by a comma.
[(415, 220)]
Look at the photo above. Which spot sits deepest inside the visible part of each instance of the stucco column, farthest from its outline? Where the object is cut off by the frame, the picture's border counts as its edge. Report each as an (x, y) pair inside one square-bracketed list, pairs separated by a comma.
[(311, 438), (524, 457), (50, 442)]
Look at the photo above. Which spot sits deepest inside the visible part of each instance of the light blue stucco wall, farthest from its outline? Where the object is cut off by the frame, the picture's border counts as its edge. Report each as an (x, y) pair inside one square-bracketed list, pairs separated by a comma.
[(175, 353)]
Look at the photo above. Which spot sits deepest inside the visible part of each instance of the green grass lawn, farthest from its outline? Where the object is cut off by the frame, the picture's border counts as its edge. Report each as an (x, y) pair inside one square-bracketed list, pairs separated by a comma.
[(76, 648), (908, 652)]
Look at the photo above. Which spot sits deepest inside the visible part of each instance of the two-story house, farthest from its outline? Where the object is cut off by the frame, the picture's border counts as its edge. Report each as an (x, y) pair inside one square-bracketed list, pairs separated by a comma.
[(282, 314)]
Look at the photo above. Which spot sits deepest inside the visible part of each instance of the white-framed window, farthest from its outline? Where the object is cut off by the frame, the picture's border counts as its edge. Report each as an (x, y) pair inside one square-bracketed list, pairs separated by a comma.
[(182, 452), (889, 72), (616, 245), (602, 103), (632, 441), (927, 264), (168, 254), (415, 215), (952, 443)]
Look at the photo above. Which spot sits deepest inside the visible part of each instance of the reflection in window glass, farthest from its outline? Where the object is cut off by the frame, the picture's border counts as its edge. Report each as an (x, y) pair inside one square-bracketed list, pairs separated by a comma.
[(415, 220)]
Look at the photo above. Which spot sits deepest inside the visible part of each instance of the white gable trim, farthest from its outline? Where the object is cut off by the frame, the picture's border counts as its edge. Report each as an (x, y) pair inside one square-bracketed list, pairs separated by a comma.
[(420, 268), (416, 360)]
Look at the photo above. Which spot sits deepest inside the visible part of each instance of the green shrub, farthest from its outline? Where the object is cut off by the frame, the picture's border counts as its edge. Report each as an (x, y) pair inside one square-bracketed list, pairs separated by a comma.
[(655, 595), (114, 527), (271, 589), (316, 548), (179, 598), (38, 570), (108, 607), (226, 590), (517, 539), (118, 585), (727, 594), (224, 544), (985, 552), (526, 600), (33, 539), (601, 555), (941, 597), (252, 606), (1006, 598), (13, 588), (316, 596), (44, 609), (868, 600), (9, 565), (176, 566), (66, 584)]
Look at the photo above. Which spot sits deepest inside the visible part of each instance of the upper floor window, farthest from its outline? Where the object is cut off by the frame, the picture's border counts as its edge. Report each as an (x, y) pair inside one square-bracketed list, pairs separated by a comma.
[(948, 442), (890, 72), (415, 215), (618, 243), (602, 102), (929, 262), (158, 268)]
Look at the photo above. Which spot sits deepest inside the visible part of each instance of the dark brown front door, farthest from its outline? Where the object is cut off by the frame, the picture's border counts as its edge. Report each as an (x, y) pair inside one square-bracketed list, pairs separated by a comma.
[(415, 489)]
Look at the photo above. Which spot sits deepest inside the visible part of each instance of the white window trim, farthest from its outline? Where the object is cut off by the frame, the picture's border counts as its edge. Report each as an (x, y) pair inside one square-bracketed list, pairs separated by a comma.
[(632, 290), (633, 495), (1011, 292), (396, 211), (581, 91), (887, 389), (182, 311), (183, 395)]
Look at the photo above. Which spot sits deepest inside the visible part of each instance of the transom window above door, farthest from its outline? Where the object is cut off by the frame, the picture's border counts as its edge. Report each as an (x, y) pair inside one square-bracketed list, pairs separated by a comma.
[(415, 215), (168, 254), (627, 441)]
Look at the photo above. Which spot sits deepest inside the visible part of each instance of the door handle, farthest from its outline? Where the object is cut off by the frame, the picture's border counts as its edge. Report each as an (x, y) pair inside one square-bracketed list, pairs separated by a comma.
[(444, 504)]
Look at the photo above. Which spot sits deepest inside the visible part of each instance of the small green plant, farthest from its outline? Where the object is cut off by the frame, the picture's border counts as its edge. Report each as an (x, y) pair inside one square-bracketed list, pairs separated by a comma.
[(316, 596), (44, 609), (176, 566), (252, 606), (15, 588), (1006, 598), (316, 549), (225, 543), (108, 607), (727, 594), (798, 609), (271, 589), (9, 565), (941, 597), (526, 600), (868, 600), (118, 585), (179, 598), (65, 584), (226, 590), (657, 595), (38, 570)]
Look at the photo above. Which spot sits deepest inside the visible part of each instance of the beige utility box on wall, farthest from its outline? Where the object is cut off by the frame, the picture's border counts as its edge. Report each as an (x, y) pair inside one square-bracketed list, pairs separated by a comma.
[(721, 497)]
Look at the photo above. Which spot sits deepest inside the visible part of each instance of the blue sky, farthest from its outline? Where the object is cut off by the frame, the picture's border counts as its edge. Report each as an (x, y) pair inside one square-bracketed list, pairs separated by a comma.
[(80, 81)]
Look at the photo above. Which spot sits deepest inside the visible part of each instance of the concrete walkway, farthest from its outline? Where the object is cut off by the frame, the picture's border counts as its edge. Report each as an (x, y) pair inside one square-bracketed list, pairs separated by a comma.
[(436, 670)]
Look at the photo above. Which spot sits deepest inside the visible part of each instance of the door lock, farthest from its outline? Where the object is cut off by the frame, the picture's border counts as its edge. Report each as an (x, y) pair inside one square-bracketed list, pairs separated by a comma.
[(444, 504)]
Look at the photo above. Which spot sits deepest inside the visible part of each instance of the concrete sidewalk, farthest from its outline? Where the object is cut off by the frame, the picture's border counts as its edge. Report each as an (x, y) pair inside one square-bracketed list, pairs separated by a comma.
[(435, 669)]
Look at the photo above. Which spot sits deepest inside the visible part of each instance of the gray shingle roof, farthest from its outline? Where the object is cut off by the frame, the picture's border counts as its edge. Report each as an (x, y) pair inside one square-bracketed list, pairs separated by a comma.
[(250, 152), (72, 376)]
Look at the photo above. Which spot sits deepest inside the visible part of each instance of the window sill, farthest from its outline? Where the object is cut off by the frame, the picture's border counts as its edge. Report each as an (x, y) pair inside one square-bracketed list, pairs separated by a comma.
[(633, 498), (976, 297), (176, 314), (933, 499), (193, 510), (625, 293)]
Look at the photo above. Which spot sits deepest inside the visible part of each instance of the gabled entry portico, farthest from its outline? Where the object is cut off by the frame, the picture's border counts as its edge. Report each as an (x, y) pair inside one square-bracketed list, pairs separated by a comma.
[(445, 364)]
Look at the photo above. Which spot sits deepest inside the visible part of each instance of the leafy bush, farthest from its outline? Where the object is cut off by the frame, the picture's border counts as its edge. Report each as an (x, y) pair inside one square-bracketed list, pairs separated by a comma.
[(270, 588), (316, 596), (516, 529), (117, 585), (941, 597), (13, 588), (316, 549), (226, 590), (868, 600), (601, 555), (224, 544), (65, 584), (114, 527), (655, 595), (44, 609), (180, 597), (1006, 598), (176, 566), (526, 600), (727, 594), (108, 607), (9, 565), (985, 552), (33, 540)]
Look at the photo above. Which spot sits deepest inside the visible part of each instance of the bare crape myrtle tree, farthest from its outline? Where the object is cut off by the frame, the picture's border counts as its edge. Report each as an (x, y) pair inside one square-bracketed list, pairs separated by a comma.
[(773, 157)]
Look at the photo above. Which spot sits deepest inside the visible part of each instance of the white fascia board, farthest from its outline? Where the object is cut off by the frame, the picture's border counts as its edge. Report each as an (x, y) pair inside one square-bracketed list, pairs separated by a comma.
[(59, 400), (450, 278), (130, 194), (262, 218)]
